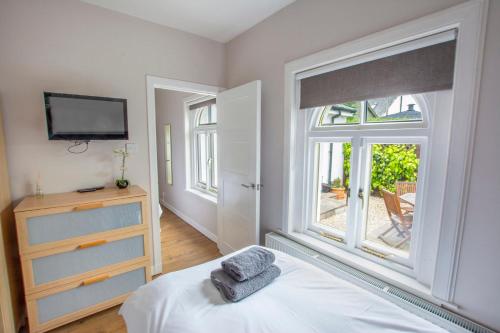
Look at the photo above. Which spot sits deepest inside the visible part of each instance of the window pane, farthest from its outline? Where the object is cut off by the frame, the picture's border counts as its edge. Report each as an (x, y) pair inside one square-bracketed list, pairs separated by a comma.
[(391, 199), (201, 143), (213, 149), (341, 114), (333, 161), (393, 109), (203, 117), (213, 114), (207, 115)]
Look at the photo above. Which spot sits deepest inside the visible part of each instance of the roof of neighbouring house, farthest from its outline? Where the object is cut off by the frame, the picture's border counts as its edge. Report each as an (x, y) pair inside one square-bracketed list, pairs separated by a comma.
[(412, 114)]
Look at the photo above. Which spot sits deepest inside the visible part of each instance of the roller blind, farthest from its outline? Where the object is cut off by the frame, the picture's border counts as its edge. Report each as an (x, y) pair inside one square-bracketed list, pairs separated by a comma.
[(420, 70), (202, 104)]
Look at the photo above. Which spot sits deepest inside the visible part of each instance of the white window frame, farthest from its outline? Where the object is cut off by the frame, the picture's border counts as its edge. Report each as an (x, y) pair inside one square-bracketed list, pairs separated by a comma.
[(205, 190), (361, 136), (470, 19), (364, 125)]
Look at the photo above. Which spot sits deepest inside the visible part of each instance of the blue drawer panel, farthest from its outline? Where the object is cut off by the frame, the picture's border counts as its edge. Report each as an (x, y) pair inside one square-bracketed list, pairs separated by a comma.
[(56, 227), (61, 265), (69, 301)]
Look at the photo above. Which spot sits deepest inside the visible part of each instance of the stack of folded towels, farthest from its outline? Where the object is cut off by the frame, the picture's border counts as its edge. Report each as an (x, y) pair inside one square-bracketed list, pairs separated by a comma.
[(245, 273)]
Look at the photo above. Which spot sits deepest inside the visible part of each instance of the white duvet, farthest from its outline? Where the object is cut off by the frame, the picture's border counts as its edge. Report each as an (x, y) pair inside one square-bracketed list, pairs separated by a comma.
[(302, 299)]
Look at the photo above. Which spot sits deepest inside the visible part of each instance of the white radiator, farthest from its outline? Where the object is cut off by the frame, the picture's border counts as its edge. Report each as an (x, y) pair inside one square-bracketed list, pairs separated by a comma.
[(435, 314)]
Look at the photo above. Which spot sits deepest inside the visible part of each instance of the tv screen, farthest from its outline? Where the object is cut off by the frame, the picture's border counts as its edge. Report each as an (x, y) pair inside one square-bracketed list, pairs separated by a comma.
[(76, 117)]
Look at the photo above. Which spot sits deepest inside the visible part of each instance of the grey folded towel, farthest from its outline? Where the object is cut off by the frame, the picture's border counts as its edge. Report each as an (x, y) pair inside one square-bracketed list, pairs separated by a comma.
[(235, 291), (248, 263)]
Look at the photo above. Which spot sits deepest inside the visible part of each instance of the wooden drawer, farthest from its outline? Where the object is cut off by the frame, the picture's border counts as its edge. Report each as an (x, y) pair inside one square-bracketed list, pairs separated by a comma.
[(55, 307), (53, 227), (50, 268), (81, 253)]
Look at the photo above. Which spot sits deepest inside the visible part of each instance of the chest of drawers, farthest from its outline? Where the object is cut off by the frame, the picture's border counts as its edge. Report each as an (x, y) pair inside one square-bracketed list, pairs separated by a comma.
[(81, 253)]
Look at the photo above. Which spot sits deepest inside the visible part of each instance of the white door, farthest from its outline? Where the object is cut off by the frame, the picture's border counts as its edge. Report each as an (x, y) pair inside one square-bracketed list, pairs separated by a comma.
[(238, 203)]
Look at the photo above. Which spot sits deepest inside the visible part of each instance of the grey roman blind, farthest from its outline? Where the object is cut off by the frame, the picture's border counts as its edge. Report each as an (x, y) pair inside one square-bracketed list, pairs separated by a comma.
[(421, 70), (202, 104)]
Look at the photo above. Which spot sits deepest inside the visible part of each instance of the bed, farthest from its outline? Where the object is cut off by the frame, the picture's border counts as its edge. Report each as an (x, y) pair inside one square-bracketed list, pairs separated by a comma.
[(303, 298)]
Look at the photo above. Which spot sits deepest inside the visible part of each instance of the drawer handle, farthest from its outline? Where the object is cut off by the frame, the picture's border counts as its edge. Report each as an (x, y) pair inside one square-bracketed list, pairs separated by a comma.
[(92, 244), (88, 206), (95, 279)]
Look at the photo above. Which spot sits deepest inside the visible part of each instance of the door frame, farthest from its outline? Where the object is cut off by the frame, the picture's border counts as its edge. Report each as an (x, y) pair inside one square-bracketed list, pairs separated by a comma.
[(152, 83)]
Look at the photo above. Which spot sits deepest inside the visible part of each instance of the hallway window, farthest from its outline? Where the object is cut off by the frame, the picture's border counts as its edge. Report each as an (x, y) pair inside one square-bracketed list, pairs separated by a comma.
[(203, 138)]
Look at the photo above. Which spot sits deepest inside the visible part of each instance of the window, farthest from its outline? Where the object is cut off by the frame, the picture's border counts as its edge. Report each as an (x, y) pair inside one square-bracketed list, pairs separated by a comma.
[(378, 110), (386, 176), (368, 155), (389, 109), (203, 137)]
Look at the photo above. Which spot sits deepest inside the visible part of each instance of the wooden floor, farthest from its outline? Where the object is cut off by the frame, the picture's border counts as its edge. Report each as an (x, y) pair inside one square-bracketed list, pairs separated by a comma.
[(182, 247)]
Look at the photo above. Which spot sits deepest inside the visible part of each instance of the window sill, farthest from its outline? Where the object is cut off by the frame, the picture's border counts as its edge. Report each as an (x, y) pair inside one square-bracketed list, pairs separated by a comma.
[(383, 273), (209, 197)]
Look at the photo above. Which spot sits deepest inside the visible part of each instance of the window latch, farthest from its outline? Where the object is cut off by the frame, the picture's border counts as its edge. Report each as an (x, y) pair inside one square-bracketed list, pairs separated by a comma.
[(332, 237), (373, 252), (361, 195)]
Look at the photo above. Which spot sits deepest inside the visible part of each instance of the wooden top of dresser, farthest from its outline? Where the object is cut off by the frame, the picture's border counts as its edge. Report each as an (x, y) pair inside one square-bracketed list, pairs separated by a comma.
[(75, 198)]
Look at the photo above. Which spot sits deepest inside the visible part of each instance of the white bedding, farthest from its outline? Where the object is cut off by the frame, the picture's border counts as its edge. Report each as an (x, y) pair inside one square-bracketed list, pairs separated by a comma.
[(303, 299)]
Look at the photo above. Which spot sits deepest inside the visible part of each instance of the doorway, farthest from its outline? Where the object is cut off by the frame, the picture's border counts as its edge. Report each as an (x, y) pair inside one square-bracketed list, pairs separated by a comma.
[(168, 92)]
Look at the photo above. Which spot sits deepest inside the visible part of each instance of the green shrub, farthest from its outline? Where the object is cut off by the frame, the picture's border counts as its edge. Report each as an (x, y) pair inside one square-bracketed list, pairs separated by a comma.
[(336, 183), (346, 149), (390, 163)]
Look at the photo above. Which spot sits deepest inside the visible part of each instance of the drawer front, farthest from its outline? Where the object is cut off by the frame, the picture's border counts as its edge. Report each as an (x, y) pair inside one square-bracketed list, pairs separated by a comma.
[(55, 306), (57, 227), (66, 264)]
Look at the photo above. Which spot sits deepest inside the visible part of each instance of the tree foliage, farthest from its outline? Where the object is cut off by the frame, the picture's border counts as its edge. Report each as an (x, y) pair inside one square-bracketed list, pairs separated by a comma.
[(390, 163)]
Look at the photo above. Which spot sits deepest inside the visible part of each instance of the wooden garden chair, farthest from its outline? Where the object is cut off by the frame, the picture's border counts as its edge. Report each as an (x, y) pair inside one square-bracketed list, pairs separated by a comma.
[(399, 221), (403, 188)]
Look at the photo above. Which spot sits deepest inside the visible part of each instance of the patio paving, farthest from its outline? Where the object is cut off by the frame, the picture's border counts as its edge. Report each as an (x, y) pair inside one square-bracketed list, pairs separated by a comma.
[(333, 214), (329, 205)]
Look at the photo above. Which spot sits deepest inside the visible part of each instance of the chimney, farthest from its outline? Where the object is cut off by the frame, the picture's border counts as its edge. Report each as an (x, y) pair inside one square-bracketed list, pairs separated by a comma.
[(411, 107)]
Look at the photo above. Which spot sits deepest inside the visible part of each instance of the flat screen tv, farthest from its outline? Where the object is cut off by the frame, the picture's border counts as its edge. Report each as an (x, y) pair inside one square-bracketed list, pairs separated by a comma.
[(85, 118)]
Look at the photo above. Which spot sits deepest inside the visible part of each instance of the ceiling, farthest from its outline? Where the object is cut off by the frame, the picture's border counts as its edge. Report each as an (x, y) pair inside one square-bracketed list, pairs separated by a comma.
[(219, 20)]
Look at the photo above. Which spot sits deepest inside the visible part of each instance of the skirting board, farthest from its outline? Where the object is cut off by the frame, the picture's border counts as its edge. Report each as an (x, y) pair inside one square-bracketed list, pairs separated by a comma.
[(210, 235)]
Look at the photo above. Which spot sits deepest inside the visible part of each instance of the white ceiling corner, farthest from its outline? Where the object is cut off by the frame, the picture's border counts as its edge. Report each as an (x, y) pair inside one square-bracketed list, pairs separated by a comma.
[(219, 20)]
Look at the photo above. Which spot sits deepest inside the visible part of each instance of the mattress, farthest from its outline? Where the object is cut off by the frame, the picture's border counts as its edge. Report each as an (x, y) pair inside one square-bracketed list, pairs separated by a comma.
[(303, 298)]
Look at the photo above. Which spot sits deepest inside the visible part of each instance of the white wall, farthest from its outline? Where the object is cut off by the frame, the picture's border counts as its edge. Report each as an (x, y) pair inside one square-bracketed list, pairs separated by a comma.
[(478, 282), (309, 26), (73, 47), (199, 212)]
